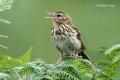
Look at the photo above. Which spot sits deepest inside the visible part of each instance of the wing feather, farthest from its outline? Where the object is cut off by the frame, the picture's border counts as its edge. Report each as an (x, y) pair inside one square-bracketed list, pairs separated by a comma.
[(79, 38)]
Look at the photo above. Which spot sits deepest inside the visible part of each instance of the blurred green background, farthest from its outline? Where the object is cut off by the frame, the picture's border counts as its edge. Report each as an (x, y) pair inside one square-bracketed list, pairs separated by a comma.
[(100, 26)]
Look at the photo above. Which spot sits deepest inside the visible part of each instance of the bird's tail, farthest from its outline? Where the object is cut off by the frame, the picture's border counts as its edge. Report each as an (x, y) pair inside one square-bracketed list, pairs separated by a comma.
[(84, 56)]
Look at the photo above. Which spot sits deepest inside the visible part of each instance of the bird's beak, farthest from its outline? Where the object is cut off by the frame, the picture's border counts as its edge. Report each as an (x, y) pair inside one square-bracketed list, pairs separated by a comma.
[(51, 15)]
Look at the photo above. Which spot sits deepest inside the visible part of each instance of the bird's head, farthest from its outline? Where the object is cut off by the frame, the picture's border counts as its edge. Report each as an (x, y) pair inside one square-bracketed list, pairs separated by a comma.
[(60, 17)]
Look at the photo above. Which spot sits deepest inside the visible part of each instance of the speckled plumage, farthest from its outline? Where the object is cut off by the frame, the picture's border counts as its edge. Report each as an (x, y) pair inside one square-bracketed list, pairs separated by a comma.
[(65, 36)]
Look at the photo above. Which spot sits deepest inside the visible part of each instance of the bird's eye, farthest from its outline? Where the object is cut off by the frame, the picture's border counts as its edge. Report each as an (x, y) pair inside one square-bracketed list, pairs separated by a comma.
[(59, 15)]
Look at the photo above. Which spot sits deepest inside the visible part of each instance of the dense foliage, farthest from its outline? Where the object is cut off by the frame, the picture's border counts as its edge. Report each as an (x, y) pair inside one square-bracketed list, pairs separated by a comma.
[(69, 69), (23, 68), (111, 67)]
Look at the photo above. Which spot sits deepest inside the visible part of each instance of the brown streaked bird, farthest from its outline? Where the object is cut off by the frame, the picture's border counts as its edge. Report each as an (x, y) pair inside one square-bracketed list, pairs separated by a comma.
[(66, 36)]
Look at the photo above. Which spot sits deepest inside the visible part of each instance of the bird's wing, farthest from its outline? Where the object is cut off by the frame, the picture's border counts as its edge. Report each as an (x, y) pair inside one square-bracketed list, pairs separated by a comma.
[(79, 38), (81, 52)]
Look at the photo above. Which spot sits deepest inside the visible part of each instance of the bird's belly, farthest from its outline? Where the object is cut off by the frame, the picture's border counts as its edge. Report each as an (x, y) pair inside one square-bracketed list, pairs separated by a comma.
[(68, 44)]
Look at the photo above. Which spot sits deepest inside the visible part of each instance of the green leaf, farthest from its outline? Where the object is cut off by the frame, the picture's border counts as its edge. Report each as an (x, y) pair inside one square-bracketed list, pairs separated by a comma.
[(26, 56), (5, 4), (3, 76), (111, 52), (3, 47), (116, 59), (4, 21), (111, 65), (8, 61), (3, 36)]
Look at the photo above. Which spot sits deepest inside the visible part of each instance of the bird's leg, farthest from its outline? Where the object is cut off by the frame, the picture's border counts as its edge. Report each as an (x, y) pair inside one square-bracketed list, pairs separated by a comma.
[(76, 54), (61, 58)]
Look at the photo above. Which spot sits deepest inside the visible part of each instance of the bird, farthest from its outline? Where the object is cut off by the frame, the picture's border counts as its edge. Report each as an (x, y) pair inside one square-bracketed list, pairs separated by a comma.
[(66, 36)]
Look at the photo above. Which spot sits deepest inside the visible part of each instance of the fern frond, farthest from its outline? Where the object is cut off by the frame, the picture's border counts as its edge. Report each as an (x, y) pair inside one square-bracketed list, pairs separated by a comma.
[(69, 69), (59, 74), (26, 57), (111, 65), (5, 4), (10, 62), (111, 52), (76, 68), (3, 76), (116, 59)]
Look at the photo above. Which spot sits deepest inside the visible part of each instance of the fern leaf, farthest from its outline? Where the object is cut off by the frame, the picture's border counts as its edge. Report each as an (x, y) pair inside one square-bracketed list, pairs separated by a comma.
[(111, 65), (113, 51), (26, 56), (116, 59), (5, 4), (3, 76)]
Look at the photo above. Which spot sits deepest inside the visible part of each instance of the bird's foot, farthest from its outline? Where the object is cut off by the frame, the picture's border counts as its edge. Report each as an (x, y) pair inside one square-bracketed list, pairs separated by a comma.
[(80, 57), (75, 56)]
